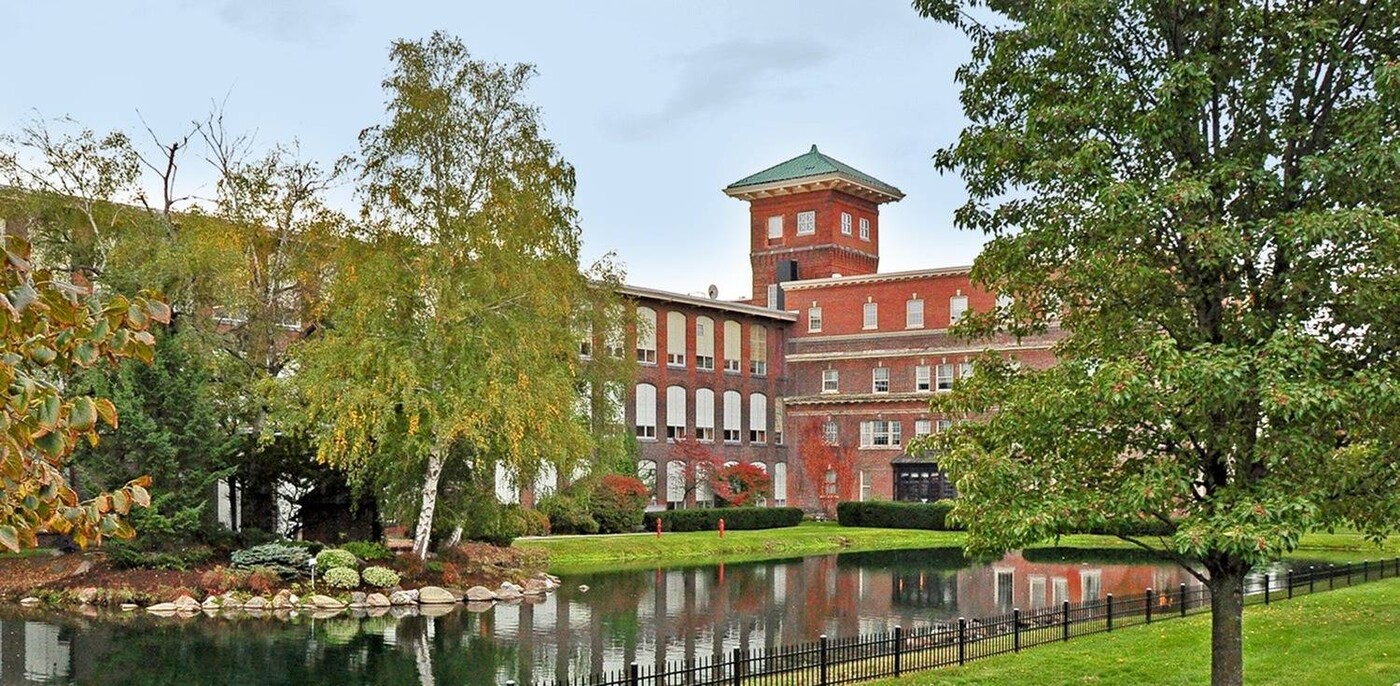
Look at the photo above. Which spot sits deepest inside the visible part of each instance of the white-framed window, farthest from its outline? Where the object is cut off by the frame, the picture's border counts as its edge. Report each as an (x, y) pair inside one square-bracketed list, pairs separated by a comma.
[(646, 335), (880, 380), (879, 434), (615, 396), (758, 350), (675, 413), (646, 471), (775, 226), (945, 424), (705, 415), (864, 229), (733, 411), (957, 307), (964, 370), (923, 427), (645, 417), (614, 340), (814, 319), (675, 339), (733, 339), (705, 344), (830, 433), (872, 315), (1059, 591), (1090, 585), (758, 418), (831, 381), (806, 223), (1035, 586), (865, 486), (675, 483), (780, 479), (778, 421), (845, 223), (945, 377), (914, 313), (923, 378)]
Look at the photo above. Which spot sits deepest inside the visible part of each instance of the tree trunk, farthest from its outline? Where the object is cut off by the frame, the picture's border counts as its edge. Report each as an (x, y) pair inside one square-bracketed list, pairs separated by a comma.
[(424, 531), (1227, 623)]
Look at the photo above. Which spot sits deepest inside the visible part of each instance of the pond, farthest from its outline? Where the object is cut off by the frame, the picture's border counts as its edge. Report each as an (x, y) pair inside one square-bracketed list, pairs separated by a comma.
[(598, 621)]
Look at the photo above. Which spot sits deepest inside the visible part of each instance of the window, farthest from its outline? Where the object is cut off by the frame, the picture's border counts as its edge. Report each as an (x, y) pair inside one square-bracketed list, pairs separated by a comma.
[(879, 434), (583, 401), (923, 381), (732, 341), (945, 377), (614, 395), (1005, 589), (864, 486), (830, 381), (830, 433), (705, 415), (923, 427), (1059, 590), (758, 350), (914, 314), (864, 229), (945, 424), (758, 418), (675, 483), (585, 347), (964, 370), (775, 227), (613, 340), (646, 411), (814, 319), (880, 380), (732, 411), (705, 344), (872, 315), (780, 486), (646, 471), (772, 296), (778, 421), (1036, 589), (646, 335), (675, 413), (675, 339), (845, 223), (806, 223), (957, 307), (1090, 584)]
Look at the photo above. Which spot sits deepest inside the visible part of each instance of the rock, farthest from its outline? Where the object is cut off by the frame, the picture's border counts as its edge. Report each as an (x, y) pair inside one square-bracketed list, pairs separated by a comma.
[(357, 599), (83, 568), (31, 601), (158, 608), (458, 594), (87, 595), (377, 600), (211, 603), (376, 611), (434, 595), (509, 592), (477, 594), (436, 609), (325, 612), (257, 602), (186, 604), (283, 600), (535, 587), (583, 588), (129, 607), (402, 598), (414, 595), (325, 602), (479, 606), (506, 585)]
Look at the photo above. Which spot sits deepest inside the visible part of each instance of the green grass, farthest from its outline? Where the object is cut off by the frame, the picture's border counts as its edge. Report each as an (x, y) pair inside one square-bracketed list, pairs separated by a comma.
[(1346, 636), (575, 554)]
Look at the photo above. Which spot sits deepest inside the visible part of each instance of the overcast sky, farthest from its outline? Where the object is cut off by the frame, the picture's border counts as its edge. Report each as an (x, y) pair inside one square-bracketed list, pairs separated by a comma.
[(658, 104)]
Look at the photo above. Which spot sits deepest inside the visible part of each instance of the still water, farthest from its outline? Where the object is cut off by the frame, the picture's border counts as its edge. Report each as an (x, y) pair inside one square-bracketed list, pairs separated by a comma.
[(647, 616)]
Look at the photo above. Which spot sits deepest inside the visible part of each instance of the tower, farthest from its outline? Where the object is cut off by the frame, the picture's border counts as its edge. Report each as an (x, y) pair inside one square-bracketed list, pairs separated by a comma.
[(811, 217)]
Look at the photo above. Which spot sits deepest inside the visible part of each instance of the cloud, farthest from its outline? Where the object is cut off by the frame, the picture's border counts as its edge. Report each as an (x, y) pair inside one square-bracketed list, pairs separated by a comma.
[(718, 76), (287, 20)]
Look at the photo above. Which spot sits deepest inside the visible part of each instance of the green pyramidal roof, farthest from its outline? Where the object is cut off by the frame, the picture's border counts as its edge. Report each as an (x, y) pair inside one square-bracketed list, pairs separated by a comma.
[(788, 177)]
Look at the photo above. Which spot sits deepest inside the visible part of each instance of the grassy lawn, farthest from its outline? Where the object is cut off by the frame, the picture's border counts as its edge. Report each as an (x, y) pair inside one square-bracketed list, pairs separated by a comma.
[(575, 554), (1341, 637)]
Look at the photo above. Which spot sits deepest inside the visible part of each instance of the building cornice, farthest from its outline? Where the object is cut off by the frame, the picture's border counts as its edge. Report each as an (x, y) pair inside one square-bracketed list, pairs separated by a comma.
[(862, 279), (708, 303), (913, 352), (809, 248), (836, 181)]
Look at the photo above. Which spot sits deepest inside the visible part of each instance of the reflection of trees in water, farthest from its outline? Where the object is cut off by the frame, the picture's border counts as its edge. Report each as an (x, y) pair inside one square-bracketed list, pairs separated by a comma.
[(925, 590)]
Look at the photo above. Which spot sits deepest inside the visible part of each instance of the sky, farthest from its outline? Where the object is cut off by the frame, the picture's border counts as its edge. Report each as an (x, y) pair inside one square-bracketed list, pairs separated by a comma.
[(657, 104)]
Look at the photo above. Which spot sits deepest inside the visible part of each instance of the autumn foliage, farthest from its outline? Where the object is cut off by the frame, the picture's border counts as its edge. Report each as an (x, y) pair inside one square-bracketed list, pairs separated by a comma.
[(740, 485), (830, 470)]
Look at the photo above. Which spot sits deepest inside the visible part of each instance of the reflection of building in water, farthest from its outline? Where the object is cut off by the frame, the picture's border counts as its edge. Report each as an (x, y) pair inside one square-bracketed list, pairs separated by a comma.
[(33, 651), (1013, 582)]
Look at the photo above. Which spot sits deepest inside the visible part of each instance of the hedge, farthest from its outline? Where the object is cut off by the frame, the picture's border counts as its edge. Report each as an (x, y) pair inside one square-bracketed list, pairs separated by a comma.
[(735, 518), (890, 515)]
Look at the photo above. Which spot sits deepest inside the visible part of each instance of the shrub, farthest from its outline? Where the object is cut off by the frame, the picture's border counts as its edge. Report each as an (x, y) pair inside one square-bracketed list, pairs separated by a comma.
[(286, 560), (932, 516), (220, 579), (536, 523), (380, 577), (617, 503), (342, 577), (331, 558), (263, 580), (127, 555), (369, 551), (569, 514), (735, 518)]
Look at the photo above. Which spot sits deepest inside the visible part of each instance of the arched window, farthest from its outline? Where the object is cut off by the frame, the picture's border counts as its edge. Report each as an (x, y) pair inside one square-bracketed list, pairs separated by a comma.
[(646, 335), (758, 418), (646, 411), (646, 471), (506, 489), (732, 414), (704, 494), (704, 344), (675, 413), (733, 340), (705, 414), (758, 350), (675, 339), (780, 484), (675, 483)]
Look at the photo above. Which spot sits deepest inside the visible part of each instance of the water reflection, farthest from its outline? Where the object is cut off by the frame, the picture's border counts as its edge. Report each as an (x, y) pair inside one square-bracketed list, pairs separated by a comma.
[(650, 617)]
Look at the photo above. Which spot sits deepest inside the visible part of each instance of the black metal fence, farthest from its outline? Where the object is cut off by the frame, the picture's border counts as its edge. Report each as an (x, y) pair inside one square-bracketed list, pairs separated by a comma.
[(859, 658)]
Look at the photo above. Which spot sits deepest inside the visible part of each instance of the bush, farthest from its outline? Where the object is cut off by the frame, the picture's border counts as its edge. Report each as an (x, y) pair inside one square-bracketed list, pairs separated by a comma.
[(286, 560), (369, 551), (336, 559), (380, 577), (126, 555), (342, 577), (568, 514), (882, 514), (536, 523), (617, 503), (735, 518), (263, 580)]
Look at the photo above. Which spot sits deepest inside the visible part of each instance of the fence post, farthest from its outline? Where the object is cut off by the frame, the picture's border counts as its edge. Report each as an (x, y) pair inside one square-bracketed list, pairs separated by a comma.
[(1331, 576), (1365, 571), (1290, 584), (962, 641), (822, 681), (1110, 611), (1016, 629), (898, 648), (634, 674), (1148, 604), (1182, 599), (1267, 579), (1312, 577), (1065, 608), (738, 670)]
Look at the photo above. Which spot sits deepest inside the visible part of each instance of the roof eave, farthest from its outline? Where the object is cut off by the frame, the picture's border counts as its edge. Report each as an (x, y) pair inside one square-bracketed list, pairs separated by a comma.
[(832, 181)]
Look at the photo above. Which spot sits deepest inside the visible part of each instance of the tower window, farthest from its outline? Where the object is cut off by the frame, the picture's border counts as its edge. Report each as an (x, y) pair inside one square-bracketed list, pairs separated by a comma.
[(806, 223), (880, 380), (872, 315), (845, 223), (814, 319), (775, 227), (864, 229)]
